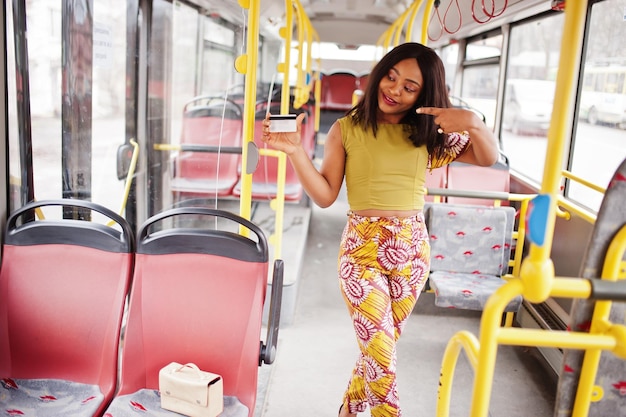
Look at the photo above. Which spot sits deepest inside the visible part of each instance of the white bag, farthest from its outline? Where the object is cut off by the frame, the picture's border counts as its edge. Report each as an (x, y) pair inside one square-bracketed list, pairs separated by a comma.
[(187, 390)]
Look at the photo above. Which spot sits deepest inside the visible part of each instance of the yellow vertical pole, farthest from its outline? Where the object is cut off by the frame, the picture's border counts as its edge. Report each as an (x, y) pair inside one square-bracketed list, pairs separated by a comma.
[(318, 89), (414, 9), (299, 66), (314, 81), (398, 25), (537, 271), (600, 322), (394, 31), (427, 11), (247, 64), (283, 67)]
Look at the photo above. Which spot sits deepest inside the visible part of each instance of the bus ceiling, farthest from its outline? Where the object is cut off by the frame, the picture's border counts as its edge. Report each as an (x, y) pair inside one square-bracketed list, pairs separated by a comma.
[(362, 22)]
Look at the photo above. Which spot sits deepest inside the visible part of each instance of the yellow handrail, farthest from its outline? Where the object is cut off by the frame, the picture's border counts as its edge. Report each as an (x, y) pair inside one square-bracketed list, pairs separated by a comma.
[(534, 277), (399, 24), (427, 10), (301, 94), (283, 67), (579, 211), (278, 203), (415, 6), (129, 178), (603, 335), (573, 177), (537, 269), (393, 31), (247, 64), (482, 354), (302, 29), (461, 340), (613, 267), (306, 33), (408, 18)]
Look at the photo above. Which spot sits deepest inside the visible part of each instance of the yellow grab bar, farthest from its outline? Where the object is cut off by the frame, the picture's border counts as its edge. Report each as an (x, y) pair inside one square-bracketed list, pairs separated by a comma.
[(129, 178)]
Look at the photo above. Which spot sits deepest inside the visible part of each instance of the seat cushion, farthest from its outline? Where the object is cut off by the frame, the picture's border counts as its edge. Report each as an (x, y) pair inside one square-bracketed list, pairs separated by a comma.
[(467, 291), (48, 398), (148, 403)]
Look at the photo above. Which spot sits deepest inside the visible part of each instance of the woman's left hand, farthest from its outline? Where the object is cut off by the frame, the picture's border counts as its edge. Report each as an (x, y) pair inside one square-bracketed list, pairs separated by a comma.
[(484, 149)]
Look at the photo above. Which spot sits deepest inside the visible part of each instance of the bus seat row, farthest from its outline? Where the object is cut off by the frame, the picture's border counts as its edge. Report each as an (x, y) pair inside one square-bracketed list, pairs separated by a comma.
[(213, 122), (195, 290), (62, 290), (472, 234), (198, 172), (338, 88), (216, 123)]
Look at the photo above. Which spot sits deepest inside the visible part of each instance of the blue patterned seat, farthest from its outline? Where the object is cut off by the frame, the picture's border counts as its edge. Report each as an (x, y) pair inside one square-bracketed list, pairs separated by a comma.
[(470, 251)]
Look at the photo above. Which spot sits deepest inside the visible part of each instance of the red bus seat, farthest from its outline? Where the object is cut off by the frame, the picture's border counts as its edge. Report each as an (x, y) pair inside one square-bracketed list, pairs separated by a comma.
[(309, 134), (63, 285), (337, 90), (463, 176), (437, 178), (362, 80), (216, 123), (197, 297)]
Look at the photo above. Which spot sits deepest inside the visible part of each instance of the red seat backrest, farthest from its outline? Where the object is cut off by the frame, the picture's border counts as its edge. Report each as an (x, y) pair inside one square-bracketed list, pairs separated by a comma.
[(362, 80), (197, 297), (209, 172), (463, 176), (437, 178), (337, 90), (63, 286)]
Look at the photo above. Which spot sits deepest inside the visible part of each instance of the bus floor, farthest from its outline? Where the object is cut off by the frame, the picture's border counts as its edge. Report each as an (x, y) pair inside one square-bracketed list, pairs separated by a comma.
[(317, 350)]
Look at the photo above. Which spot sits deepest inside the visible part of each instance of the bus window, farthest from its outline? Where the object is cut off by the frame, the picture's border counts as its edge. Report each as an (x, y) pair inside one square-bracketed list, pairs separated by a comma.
[(75, 56), (528, 106), (481, 69), (16, 191), (182, 66), (603, 94), (219, 53), (450, 59), (480, 85), (529, 93), (600, 142), (186, 23), (109, 95)]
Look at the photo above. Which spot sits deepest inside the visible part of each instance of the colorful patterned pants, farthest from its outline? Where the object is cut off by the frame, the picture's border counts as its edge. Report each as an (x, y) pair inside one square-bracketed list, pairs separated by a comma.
[(383, 265)]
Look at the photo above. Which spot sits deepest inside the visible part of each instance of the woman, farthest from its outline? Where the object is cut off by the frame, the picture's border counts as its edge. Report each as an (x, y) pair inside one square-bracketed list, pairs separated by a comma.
[(403, 126)]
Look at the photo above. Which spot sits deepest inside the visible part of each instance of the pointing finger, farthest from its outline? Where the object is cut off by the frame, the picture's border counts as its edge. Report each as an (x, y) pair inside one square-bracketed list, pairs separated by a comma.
[(428, 110)]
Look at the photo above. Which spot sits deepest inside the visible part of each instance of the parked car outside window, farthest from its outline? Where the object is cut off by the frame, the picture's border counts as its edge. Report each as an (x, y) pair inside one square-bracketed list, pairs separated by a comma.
[(528, 106)]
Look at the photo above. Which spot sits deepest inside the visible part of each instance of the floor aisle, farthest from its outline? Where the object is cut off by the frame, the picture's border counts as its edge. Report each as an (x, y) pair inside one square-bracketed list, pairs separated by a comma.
[(317, 351)]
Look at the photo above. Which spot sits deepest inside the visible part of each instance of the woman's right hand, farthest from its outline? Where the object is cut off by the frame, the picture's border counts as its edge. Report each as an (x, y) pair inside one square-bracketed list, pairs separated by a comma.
[(288, 142)]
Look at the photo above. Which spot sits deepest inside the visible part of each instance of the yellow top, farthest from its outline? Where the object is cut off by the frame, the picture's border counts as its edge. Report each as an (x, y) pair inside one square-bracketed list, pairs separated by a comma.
[(388, 172)]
